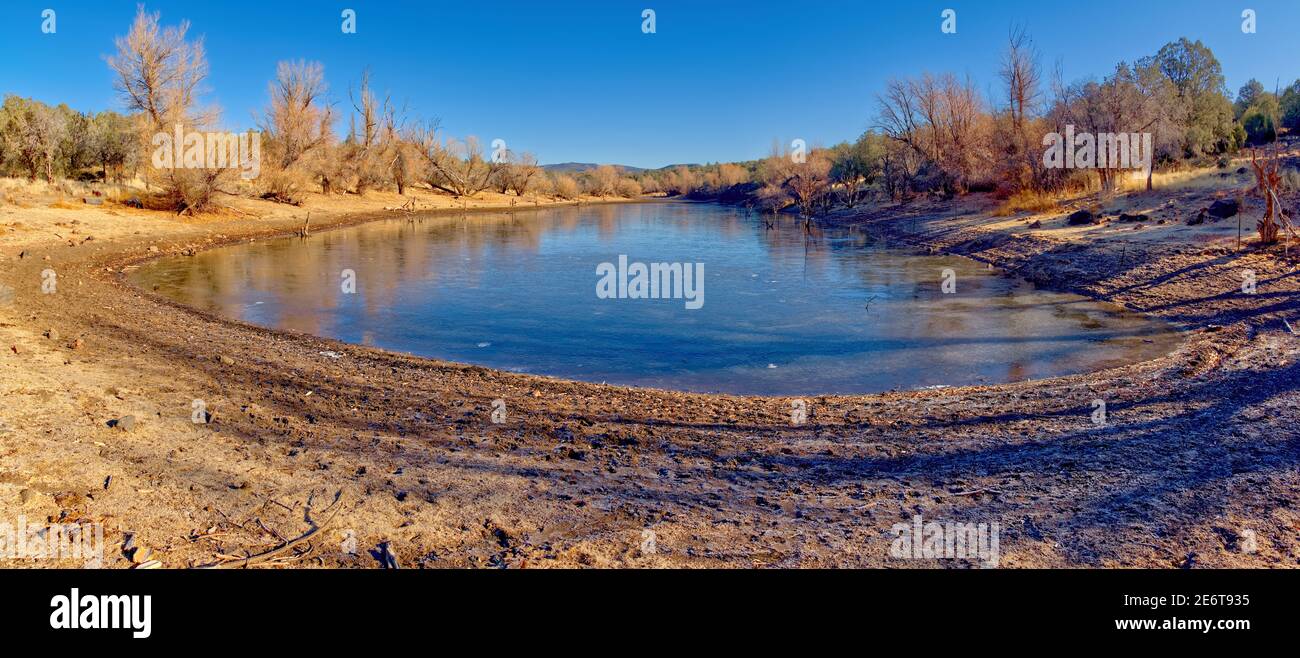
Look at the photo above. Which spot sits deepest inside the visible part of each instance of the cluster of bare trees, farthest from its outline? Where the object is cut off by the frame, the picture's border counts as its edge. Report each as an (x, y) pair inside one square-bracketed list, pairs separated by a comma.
[(938, 133), (941, 119), (933, 133), (702, 180), (1176, 95), (383, 148), (158, 73)]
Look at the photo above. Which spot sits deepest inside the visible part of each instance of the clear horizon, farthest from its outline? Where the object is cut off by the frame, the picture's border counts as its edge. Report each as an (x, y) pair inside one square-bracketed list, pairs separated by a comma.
[(714, 83)]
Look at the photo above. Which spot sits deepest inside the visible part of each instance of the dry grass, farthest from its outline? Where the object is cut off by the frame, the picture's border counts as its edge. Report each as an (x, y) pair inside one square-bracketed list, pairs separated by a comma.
[(1026, 200), (1194, 180)]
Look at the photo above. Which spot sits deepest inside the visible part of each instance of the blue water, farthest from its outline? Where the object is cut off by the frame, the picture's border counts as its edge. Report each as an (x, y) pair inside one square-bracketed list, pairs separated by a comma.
[(786, 310)]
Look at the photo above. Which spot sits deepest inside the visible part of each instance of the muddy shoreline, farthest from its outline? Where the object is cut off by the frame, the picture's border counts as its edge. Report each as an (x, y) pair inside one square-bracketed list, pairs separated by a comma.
[(1199, 456)]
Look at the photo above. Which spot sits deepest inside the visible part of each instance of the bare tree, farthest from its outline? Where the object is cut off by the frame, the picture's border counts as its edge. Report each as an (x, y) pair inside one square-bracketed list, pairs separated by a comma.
[(298, 127), (809, 182), (627, 188), (363, 152), (454, 166), (1022, 83), (941, 119), (297, 120), (518, 173), (1022, 77), (1160, 112), (159, 74), (805, 181), (399, 152), (158, 71)]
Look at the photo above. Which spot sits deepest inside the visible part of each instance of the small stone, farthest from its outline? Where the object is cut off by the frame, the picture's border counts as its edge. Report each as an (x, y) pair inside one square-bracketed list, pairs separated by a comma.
[(1036, 224), (26, 496), (124, 424), (52, 334), (227, 361), (78, 344), (153, 249)]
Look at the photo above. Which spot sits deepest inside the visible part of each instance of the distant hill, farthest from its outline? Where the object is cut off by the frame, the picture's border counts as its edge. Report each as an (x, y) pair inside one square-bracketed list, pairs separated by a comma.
[(579, 167)]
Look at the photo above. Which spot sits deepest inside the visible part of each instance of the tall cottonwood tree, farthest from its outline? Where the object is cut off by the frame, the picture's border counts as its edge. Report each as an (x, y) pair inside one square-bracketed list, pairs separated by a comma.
[(159, 74), (298, 126), (1017, 131)]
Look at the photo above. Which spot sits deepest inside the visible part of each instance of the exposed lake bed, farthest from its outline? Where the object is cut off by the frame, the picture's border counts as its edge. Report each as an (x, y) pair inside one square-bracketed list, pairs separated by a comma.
[(1196, 441)]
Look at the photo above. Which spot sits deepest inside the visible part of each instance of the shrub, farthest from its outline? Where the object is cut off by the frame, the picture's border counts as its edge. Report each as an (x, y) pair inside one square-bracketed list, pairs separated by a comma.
[(628, 188), (564, 186), (1259, 126), (601, 181)]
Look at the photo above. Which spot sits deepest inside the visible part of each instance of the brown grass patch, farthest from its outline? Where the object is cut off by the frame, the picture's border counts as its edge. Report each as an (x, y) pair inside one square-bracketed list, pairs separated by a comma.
[(1027, 200)]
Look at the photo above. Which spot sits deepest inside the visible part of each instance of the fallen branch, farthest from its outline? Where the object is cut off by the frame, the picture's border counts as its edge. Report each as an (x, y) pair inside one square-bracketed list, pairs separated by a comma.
[(976, 492), (266, 556)]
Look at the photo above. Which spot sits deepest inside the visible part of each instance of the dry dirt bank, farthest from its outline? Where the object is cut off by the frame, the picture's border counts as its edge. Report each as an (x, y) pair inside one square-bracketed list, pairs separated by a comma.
[(1197, 465)]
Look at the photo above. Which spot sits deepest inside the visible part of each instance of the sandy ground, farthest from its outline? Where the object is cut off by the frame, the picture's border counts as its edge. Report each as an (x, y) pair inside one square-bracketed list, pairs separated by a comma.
[(1197, 465)]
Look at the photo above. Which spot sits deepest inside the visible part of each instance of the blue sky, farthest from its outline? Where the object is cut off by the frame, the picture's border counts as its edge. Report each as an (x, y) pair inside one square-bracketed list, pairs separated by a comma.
[(579, 81)]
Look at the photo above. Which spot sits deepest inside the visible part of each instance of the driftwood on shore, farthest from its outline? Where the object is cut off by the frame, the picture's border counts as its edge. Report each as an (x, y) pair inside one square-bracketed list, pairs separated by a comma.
[(265, 556)]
